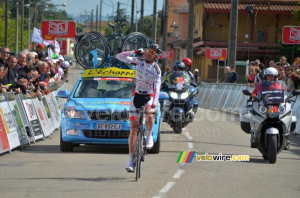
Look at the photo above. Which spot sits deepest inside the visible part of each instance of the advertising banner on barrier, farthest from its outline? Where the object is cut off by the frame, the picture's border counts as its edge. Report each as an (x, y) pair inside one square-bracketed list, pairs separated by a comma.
[(18, 123), (48, 113), (53, 111), (4, 142), (12, 133), (38, 105), (32, 117)]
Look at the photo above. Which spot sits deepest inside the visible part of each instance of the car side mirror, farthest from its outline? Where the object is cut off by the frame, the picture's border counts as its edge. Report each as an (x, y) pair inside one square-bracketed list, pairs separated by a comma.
[(163, 96), (246, 92), (63, 94)]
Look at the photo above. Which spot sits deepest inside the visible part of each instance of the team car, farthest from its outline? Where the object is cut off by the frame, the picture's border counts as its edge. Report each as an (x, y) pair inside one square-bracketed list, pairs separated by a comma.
[(97, 110)]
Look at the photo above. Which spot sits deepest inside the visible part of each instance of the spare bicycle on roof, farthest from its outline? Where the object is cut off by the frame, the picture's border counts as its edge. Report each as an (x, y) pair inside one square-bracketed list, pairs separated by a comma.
[(94, 50)]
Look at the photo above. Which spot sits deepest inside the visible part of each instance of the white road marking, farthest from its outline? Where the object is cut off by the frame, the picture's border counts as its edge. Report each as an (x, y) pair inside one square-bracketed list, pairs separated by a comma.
[(188, 136), (167, 187), (178, 174), (190, 145)]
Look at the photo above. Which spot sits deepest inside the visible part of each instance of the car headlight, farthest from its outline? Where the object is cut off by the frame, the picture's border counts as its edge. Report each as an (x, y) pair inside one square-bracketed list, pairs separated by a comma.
[(174, 95), (184, 95), (73, 113)]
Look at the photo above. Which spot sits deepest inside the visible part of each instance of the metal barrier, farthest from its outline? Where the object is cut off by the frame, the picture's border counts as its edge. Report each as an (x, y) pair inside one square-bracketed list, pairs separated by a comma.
[(229, 97), (24, 120)]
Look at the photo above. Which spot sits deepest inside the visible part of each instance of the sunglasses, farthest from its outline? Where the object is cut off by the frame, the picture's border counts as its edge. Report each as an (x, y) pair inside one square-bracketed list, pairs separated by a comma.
[(5, 52), (150, 51)]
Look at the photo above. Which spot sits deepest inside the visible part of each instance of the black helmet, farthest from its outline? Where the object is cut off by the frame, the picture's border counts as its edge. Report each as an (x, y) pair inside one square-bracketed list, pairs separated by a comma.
[(156, 48), (179, 65)]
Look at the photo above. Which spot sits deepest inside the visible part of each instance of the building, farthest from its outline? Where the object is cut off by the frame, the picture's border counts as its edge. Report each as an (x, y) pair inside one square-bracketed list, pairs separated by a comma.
[(259, 31)]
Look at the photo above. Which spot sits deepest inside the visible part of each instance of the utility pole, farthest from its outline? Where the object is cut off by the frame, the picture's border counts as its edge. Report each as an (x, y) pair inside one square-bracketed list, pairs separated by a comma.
[(100, 16), (118, 11), (132, 16), (22, 25), (92, 15), (97, 19), (6, 23), (29, 21), (190, 41), (233, 33), (142, 15), (164, 42), (154, 24), (17, 27)]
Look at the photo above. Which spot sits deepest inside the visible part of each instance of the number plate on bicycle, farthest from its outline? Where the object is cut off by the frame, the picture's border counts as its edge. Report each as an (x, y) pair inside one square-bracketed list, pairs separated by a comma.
[(109, 126)]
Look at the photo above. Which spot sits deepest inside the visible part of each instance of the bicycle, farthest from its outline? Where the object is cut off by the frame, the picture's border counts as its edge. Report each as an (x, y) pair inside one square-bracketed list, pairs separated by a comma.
[(140, 149), (93, 50)]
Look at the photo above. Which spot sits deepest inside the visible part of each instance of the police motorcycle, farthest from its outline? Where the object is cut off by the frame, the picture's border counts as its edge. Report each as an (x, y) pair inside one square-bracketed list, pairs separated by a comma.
[(180, 108), (269, 118)]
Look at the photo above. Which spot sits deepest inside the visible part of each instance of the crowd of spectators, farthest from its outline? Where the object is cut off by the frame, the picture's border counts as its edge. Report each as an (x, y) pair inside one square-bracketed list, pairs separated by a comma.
[(288, 75), (31, 72)]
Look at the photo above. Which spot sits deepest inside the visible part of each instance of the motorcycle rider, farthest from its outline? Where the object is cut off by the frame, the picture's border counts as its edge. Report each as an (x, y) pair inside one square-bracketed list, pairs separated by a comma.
[(188, 64), (146, 93), (271, 75)]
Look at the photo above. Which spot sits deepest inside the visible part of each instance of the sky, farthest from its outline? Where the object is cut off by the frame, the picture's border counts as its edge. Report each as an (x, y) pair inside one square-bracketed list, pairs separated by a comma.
[(80, 7)]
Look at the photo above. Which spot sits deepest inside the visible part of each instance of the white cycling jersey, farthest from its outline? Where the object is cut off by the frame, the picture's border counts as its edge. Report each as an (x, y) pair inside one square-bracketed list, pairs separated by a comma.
[(147, 75)]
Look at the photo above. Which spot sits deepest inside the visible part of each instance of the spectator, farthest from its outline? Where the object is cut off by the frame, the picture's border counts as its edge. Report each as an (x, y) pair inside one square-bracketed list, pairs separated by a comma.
[(197, 76), (39, 48), (295, 78), (4, 54), (284, 61), (168, 70), (251, 76), (226, 77), (65, 66), (22, 61), (42, 70), (271, 63), (233, 75), (11, 77), (58, 69), (281, 77), (260, 75)]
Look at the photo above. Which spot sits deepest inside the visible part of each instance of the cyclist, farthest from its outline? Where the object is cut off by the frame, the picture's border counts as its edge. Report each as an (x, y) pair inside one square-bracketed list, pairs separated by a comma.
[(146, 93), (188, 64)]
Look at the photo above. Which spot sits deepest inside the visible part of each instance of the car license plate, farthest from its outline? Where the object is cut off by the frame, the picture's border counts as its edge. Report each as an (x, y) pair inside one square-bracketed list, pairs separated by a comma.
[(109, 126)]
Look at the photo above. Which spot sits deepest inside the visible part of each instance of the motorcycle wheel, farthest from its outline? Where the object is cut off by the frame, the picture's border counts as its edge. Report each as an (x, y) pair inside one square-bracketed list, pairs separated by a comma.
[(266, 157), (178, 127), (272, 148)]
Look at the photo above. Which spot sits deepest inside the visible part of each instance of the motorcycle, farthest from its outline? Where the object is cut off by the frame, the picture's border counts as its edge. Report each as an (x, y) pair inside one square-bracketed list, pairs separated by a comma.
[(181, 107), (269, 119)]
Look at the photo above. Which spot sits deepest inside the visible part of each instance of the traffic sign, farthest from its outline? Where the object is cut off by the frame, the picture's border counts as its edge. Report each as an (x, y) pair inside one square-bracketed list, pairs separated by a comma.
[(63, 46), (291, 35), (216, 53), (166, 55), (54, 29)]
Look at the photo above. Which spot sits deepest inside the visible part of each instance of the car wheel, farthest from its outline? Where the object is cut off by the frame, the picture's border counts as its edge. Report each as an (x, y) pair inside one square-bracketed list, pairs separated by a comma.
[(65, 146), (156, 147)]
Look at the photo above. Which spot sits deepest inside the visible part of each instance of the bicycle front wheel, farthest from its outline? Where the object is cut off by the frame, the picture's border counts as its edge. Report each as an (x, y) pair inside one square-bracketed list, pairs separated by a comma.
[(91, 50), (135, 40), (137, 155)]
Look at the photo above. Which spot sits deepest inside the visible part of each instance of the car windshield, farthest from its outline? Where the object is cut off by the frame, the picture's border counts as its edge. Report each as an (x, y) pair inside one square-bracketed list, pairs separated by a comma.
[(271, 92), (104, 88)]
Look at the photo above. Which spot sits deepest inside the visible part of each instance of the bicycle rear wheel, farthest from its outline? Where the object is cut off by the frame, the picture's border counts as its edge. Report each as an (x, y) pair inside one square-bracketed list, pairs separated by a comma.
[(91, 50), (135, 40)]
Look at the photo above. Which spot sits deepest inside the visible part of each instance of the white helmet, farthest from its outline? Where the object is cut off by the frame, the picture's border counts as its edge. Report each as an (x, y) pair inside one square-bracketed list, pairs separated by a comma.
[(271, 71), (196, 70)]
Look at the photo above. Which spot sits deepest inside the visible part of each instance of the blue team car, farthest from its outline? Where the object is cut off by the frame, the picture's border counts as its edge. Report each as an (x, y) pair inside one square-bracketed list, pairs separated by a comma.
[(97, 110)]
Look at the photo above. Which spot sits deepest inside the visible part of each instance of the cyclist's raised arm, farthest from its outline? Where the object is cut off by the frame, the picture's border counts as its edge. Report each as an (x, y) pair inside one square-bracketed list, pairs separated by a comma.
[(127, 57)]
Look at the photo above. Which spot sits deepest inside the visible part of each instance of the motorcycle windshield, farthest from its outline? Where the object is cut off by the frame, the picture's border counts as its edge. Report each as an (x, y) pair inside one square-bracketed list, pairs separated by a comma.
[(271, 92), (179, 80)]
